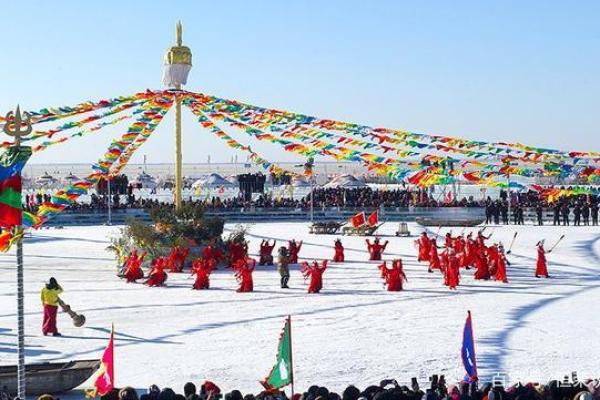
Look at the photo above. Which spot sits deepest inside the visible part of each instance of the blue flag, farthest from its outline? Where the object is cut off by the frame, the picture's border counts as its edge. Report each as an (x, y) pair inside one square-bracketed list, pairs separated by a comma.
[(468, 351)]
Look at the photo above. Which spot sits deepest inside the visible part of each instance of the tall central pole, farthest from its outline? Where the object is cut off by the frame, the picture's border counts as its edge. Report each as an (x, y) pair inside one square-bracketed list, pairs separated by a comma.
[(178, 157), (177, 65)]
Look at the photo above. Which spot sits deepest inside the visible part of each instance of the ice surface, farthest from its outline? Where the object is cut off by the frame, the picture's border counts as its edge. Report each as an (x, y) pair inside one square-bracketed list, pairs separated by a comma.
[(354, 332)]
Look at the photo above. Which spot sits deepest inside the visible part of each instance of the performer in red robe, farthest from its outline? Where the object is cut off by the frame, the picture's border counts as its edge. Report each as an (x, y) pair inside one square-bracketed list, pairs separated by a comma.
[(493, 255), (452, 271), (423, 247), (481, 239), (157, 275), (243, 273), (376, 249), (316, 275), (237, 252), (293, 250), (133, 267), (211, 253), (501, 262), (541, 269), (266, 252), (339, 251), (448, 240), (483, 271), (393, 277), (444, 259), (202, 269), (177, 258), (434, 259)]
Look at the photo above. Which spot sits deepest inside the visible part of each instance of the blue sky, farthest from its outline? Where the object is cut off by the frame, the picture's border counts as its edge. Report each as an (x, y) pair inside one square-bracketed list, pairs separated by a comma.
[(492, 70)]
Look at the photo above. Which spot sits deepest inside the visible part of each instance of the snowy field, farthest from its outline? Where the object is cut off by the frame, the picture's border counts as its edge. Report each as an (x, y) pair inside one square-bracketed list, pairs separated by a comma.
[(353, 332)]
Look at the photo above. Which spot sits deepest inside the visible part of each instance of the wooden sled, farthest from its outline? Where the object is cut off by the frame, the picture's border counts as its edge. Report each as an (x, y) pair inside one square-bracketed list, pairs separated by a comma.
[(364, 230), (325, 228)]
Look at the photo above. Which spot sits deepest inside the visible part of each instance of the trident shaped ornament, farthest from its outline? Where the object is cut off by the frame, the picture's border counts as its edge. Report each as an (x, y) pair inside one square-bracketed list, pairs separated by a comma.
[(17, 126)]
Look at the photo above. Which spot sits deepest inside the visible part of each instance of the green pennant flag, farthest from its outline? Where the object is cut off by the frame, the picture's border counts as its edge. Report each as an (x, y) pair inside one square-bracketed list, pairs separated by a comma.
[(282, 373)]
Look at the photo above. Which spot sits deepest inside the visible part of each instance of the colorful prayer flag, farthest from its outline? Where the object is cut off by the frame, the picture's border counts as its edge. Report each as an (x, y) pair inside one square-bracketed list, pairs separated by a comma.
[(282, 373), (105, 377), (12, 162)]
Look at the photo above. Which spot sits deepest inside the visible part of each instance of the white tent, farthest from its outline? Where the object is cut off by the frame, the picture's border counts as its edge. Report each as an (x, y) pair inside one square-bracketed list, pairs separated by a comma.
[(300, 182), (212, 181), (70, 179), (144, 181), (46, 180), (345, 181)]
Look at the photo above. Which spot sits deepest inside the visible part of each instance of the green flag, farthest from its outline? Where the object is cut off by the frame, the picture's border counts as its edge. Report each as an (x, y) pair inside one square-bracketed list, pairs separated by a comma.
[(282, 373)]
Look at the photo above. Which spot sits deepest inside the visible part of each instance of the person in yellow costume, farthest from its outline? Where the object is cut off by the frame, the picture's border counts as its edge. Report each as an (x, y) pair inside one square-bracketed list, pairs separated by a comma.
[(50, 300)]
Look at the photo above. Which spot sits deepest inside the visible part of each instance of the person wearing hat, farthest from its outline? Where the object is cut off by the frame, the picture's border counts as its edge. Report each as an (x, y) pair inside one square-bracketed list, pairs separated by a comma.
[(266, 250), (501, 261), (293, 250), (339, 251), (423, 245), (283, 262), (49, 296), (376, 249), (541, 265)]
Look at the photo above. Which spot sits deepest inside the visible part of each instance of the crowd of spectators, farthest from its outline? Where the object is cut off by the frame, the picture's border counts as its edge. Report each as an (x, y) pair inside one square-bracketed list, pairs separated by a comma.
[(389, 389), (577, 210)]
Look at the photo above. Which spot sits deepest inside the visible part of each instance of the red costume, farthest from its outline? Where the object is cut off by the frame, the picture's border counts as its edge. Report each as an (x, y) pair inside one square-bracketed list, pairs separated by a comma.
[(157, 275), (133, 270), (434, 259), (266, 253), (452, 274), (493, 256), (393, 277), (237, 252), (500, 274), (202, 269), (339, 251), (448, 240), (212, 254), (541, 266), (243, 273), (376, 249), (483, 271), (293, 250), (423, 245), (177, 258), (316, 275)]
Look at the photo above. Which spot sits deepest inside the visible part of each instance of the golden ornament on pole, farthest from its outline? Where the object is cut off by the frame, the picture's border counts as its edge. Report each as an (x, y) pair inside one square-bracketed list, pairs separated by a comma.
[(177, 66)]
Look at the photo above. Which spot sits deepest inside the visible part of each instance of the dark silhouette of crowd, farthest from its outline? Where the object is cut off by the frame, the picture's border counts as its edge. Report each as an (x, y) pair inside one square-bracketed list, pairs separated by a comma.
[(506, 209), (388, 389), (583, 208)]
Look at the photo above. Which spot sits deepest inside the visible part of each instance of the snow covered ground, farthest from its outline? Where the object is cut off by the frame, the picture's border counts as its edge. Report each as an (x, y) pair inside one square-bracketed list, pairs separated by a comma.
[(353, 332)]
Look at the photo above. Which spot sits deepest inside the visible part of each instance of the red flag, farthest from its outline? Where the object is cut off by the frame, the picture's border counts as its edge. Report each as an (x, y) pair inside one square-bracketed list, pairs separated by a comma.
[(449, 197), (373, 218), (221, 189), (105, 377), (358, 220)]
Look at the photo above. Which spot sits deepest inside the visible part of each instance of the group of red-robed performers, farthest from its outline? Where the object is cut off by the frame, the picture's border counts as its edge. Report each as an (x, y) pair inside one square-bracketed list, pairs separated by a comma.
[(465, 252), (489, 261)]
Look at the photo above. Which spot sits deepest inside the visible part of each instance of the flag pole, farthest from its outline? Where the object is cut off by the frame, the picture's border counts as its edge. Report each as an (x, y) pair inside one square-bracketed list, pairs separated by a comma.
[(474, 350), (289, 318), (19, 127)]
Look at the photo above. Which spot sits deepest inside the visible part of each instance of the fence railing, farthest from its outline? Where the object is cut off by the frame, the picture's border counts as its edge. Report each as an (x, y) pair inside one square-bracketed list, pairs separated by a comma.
[(120, 216)]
